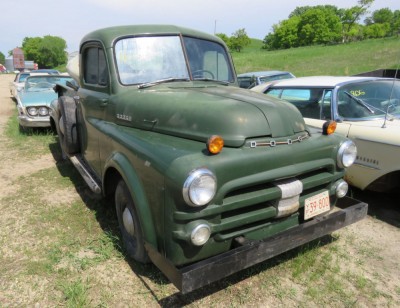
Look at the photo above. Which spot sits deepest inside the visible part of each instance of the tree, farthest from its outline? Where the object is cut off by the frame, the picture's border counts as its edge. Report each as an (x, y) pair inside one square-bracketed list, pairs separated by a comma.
[(285, 34), (349, 17), (238, 40), (382, 16), (376, 30), (47, 52), (2, 58), (396, 23), (319, 26), (223, 37)]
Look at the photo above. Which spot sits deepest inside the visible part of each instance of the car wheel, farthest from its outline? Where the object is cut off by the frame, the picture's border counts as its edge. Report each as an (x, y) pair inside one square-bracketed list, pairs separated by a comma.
[(129, 224), (68, 134)]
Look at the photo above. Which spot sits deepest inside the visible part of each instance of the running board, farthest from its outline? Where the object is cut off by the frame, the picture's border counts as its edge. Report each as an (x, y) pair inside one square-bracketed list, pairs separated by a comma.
[(86, 175)]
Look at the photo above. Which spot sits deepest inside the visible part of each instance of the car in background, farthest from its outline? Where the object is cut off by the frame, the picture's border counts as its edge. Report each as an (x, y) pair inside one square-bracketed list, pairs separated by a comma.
[(34, 99), (18, 84), (3, 69), (48, 71), (366, 109), (252, 79)]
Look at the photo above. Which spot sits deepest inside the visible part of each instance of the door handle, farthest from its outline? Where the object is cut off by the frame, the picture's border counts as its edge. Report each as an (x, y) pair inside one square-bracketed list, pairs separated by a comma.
[(103, 102)]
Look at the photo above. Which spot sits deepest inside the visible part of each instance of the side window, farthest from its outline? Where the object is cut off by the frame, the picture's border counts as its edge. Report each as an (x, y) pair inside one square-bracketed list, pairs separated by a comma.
[(95, 66), (308, 101), (274, 93)]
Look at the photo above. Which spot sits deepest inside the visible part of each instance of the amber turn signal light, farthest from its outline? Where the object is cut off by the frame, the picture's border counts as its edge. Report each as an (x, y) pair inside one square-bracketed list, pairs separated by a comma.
[(215, 144), (329, 127)]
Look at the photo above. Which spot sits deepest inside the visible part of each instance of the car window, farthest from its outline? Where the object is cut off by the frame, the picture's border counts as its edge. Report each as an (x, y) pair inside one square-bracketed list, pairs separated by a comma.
[(312, 103)]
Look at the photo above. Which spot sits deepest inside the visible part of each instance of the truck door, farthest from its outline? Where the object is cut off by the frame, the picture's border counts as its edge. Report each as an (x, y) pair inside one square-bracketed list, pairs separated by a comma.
[(92, 102)]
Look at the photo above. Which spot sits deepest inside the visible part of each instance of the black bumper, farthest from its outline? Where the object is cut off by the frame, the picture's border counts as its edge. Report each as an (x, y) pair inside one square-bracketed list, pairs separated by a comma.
[(204, 272)]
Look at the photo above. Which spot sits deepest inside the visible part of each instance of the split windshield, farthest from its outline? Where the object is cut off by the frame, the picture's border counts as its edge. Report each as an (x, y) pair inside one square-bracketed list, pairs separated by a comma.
[(162, 58)]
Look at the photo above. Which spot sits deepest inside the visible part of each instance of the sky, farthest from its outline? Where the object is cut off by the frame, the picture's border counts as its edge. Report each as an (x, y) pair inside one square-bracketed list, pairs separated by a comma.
[(72, 19)]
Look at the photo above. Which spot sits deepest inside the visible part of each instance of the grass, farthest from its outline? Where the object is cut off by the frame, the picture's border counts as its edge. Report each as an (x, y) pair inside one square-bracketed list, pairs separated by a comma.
[(28, 142), (344, 59)]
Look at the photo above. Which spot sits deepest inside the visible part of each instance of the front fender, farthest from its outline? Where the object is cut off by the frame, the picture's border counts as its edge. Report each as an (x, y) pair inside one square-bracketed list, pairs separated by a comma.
[(120, 162)]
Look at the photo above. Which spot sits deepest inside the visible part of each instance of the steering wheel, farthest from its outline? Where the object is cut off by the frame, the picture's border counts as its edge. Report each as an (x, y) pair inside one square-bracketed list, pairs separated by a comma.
[(200, 74)]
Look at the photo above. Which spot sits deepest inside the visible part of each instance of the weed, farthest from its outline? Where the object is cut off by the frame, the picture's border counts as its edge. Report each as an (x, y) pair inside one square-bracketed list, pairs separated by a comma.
[(75, 293)]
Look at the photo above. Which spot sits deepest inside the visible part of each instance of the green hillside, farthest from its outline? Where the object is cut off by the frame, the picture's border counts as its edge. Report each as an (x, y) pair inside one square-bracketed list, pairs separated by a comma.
[(344, 59)]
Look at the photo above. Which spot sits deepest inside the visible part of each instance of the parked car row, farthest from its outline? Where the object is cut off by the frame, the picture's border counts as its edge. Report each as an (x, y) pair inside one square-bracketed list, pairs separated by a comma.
[(366, 110), (33, 93)]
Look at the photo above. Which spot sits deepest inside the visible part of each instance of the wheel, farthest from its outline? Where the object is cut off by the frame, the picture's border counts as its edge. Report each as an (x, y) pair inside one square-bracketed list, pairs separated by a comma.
[(68, 134), (129, 224), (200, 74)]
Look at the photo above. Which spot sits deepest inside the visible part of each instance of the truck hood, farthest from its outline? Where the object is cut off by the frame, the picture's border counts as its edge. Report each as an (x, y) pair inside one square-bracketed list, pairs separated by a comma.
[(198, 112)]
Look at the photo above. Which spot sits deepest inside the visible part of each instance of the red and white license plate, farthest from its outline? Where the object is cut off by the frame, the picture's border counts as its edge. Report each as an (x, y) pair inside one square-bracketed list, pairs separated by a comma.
[(316, 205)]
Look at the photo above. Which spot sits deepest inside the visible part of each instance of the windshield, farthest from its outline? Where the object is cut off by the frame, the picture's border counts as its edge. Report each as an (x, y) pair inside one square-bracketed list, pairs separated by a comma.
[(364, 100), (41, 83), (151, 59)]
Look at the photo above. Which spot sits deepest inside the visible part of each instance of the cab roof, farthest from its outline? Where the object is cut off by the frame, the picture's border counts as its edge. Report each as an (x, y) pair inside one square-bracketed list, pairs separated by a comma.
[(109, 35)]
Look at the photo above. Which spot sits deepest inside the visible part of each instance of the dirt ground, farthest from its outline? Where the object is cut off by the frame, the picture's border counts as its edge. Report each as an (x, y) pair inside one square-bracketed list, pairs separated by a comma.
[(381, 229)]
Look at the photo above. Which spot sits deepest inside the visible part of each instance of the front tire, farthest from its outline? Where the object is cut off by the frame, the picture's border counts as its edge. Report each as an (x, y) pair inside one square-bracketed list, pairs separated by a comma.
[(129, 224)]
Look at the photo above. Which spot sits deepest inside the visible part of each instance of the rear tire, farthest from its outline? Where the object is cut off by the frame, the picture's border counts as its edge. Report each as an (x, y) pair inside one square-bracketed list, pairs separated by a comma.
[(68, 133), (129, 224)]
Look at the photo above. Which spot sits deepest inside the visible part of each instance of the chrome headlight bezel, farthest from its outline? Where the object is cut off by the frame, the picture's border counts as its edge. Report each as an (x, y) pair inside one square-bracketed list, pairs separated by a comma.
[(32, 111), (43, 111), (200, 187), (346, 154)]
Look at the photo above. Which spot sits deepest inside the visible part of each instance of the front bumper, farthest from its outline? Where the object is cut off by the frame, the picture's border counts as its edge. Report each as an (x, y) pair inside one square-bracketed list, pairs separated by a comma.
[(204, 272), (34, 122)]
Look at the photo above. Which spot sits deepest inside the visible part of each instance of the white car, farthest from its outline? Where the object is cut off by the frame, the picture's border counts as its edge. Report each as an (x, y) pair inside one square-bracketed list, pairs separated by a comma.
[(18, 84), (366, 109)]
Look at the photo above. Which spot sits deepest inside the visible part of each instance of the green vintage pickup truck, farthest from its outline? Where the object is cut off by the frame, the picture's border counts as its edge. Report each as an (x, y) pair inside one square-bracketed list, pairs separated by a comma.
[(207, 178)]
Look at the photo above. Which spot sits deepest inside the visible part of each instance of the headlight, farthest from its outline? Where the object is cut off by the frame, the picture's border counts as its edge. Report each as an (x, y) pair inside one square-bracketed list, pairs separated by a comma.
[(200, 234), (200, 187), (33, 111), (347, 154), (341, 188), (43, 111)]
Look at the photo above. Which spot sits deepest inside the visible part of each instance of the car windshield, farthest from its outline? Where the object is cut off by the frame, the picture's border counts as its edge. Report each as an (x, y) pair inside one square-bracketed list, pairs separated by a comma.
[(162, 59), (369, 99), (275, 77), (42, 83)]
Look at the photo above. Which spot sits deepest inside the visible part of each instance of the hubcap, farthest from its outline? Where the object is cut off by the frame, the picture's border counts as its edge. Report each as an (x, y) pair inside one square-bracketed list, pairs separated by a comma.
[(128, 222)]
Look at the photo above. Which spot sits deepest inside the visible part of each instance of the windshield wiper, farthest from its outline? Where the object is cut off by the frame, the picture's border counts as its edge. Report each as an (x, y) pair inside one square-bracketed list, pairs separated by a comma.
[(225, 83), (153, 83), (360, 101)]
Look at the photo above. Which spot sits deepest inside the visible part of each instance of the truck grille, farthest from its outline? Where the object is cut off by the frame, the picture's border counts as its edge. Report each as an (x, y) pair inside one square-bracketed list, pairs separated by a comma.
[(253, 208)]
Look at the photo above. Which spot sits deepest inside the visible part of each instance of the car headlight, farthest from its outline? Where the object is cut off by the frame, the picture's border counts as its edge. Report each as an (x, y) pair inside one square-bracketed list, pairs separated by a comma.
[(347, 154), (43, 111), (33, 111), (200, 187)]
